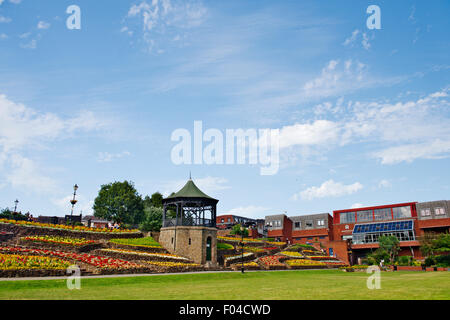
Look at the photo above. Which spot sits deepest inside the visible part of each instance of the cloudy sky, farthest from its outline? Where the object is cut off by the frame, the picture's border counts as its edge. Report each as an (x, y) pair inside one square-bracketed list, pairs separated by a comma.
[(363, 114)]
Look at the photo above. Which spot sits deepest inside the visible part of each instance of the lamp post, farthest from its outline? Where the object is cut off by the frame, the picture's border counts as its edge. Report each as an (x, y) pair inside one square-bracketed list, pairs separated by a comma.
[(15, 206), (73, 201), (242, 248)]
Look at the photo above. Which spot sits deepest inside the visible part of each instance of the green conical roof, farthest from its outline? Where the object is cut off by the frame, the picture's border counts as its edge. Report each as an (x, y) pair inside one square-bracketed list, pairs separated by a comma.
[(190, 190)]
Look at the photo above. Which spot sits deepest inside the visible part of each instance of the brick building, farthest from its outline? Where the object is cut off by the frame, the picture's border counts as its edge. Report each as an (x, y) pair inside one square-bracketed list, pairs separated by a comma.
[(353, 233)]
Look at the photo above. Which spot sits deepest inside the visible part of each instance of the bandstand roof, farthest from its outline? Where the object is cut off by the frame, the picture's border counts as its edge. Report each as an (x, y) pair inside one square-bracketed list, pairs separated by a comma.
[(190, 190)]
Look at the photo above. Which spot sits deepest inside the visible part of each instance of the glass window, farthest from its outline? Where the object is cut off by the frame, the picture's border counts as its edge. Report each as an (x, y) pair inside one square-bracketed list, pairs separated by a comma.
[(383, 214), (321, 222), (347, 217), (308, 223), (425, 212), (439, 211), (402, 212), (365, 215), (297, 225), (222, 220)]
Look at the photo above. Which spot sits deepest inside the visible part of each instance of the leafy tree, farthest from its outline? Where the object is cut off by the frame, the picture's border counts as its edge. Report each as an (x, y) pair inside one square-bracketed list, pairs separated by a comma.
[(441, 243), (378, 255), (426, 244), (8, 214), (156, 200), (236, 230), (152, 219), (119, 202), (391, 245)]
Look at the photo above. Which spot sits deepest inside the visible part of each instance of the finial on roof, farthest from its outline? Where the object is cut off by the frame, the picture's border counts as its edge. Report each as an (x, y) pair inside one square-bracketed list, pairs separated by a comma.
[(190, 177)]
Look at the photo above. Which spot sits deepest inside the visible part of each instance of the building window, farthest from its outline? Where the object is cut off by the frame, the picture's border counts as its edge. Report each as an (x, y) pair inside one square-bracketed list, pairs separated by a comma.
[(308, 224), (383, 214), (190, 241), (347, 217), (402, 212), (297, 225), (321, 222), (222, 220), (277, 223), (229, 219), (365, 215), (425, 212), (439, 211)]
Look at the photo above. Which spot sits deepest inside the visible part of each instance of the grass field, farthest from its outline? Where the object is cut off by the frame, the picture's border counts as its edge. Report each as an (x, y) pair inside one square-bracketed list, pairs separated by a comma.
[(311, 284)]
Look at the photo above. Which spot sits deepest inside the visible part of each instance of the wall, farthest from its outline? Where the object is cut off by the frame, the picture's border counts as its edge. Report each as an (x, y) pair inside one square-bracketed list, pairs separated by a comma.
[(196, 250)]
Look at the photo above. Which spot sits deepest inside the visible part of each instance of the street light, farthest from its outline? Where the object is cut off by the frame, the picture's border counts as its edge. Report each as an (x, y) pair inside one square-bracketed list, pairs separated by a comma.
[(73, 201), (242, 248), (15, 207)]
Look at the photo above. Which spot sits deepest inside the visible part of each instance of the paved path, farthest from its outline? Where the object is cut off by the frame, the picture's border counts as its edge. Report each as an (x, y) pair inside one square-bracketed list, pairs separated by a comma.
[(146, 274)]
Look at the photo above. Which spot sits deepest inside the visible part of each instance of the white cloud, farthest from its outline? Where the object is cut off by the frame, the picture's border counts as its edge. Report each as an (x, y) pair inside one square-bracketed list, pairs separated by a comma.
[(43, 25), (108, 157), (317, 133), (83, 205), (163, 19), (16, 120), (384, 184), (352, 38), (328, 189), (15, 1), (256, 212), (5, 19), (357, 205), (23, 129), (437, 149), (3, 36), (25, 174)]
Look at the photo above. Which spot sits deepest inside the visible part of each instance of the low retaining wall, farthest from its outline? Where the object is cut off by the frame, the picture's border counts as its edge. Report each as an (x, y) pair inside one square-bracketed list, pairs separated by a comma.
[(31, 273), (59, 247), (134, 257), (136, 248)]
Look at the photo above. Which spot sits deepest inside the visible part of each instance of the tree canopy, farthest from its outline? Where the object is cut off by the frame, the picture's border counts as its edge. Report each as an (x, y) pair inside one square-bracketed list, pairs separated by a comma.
[(119, 202)]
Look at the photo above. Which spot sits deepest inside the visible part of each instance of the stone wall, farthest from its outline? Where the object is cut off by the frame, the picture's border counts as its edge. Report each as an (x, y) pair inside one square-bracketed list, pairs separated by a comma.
[(190, 242)]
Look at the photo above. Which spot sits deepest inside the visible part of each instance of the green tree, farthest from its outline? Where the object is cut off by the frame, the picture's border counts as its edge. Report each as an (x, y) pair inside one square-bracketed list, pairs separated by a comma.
[(119, 202), (426, 244), (236, 230), (391, 245), (152, 219), (441, 243), (156, 200)]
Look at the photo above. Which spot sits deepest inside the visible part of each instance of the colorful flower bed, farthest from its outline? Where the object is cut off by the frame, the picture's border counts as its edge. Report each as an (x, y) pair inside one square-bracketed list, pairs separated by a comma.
[(59, 240), (270, 248), (254, 249), (249, 240), (18, 262), (247, 265), (66, 227), (96, 261), (304, 263), (169, 266), (142, 255), (322, 258), (172, 264), (272, 262), (276, 243), (292, 254)]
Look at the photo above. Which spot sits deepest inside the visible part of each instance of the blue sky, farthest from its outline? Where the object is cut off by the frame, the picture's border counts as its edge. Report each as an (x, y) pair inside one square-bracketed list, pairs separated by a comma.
[(363, 114)]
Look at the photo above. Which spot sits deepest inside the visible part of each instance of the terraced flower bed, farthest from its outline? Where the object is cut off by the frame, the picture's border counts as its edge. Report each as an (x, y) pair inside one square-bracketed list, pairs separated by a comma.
[(322, 258), (27, 228), (228, 260), (304, 264), (60, 243), (294, 254), (140, 255), (247, 241), (13, 265), (272, 262), (168, 266), (247, 266), (102, 264)]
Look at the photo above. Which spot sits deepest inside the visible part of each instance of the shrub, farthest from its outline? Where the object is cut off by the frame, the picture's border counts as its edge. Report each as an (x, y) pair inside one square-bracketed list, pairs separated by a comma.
[(443, 261), (430, 261), (404, 260)]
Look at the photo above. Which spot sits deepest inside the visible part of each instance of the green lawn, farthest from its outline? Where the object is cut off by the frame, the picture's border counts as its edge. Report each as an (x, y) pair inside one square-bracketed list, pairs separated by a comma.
[(312, 284), (144, 242)]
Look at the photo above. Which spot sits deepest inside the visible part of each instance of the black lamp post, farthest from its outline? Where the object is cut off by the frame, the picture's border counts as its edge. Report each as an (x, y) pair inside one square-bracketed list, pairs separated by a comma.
[(73, 201), (15, 207)]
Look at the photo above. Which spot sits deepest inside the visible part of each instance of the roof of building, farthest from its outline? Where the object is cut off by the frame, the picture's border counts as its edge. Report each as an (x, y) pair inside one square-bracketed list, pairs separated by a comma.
[(190, 190)]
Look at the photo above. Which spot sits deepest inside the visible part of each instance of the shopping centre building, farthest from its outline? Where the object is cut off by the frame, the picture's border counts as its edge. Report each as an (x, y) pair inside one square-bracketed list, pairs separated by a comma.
[(351, 234)]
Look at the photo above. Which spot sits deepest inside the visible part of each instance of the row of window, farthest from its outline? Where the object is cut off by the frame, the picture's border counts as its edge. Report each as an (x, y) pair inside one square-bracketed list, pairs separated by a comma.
[(375, 215), (307, 224), (373, 237), (437, 212)]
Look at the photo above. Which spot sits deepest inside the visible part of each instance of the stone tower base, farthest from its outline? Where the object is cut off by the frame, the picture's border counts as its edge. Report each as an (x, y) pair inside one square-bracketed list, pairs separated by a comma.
[(190, 242)]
